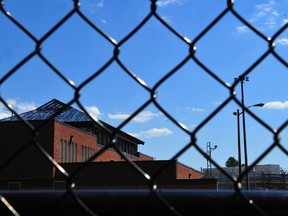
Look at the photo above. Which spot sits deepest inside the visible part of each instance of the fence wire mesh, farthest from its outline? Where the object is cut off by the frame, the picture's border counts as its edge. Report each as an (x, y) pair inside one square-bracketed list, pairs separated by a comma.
[(139, 201)]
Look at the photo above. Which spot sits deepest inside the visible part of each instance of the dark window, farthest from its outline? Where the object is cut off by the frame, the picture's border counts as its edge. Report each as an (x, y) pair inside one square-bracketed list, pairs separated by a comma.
[(61, 151), (65, 151)]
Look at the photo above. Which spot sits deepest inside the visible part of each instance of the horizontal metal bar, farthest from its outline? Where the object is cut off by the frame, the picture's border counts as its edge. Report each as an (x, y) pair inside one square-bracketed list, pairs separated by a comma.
[(142, 202)]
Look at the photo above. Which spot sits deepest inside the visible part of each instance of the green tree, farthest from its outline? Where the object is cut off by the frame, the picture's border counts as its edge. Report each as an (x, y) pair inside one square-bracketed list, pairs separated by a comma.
[(232, 162)]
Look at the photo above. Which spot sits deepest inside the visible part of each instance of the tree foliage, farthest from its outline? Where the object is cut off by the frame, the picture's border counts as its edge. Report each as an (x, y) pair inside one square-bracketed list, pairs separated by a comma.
[(232, 162)]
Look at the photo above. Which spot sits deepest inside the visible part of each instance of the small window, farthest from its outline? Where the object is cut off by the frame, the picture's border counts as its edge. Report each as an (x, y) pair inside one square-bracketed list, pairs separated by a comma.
[(61, 151), (65, 151), (82, 152), (68, 152)]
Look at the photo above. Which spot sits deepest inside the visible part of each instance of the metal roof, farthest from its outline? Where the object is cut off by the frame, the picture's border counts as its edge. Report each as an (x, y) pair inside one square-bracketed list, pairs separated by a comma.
[(61, 112), (54, 109)]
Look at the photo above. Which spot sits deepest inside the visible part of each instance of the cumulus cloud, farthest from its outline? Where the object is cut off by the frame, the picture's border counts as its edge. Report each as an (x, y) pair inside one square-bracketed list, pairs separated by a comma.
[(154, 132), (141, 117), (276, 105), (93, 111), (19, 107)]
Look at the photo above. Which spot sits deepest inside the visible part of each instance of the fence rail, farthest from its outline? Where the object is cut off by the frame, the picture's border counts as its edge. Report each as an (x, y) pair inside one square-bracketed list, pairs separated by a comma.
[(145, 202)]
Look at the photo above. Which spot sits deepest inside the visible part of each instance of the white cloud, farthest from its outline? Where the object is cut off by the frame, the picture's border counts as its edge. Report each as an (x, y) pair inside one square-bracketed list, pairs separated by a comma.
[(118, 116), (163, 3), (100, 3), (195, 109), (166, 18), (282, 41), (276, 105), (4, 113), (93, 6), (284, 21), (25, 107), (266, 12), (103, 21), (19, 107), (93, 111), (141, 117), (154, 132), (242, 29), (271, 22), (265, 9)]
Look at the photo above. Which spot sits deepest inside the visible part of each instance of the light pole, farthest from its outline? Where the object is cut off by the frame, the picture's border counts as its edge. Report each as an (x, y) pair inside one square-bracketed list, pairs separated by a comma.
[(244, 138), (209, 150), (239, 140)]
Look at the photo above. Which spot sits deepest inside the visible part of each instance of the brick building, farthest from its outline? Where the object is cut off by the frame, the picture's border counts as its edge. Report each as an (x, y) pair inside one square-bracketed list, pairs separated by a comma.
[(56, 131)]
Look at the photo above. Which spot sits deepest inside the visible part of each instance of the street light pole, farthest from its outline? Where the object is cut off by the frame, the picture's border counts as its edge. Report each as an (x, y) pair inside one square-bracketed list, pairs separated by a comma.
[(239, 140), (245, 144), (244, 127), (244, 131)]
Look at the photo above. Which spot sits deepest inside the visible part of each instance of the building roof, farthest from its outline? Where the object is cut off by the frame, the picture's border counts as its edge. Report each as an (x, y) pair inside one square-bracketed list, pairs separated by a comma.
[(61, 112), (54, 109)]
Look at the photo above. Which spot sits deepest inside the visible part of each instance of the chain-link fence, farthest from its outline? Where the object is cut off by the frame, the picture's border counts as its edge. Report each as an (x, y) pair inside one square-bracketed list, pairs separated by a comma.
[(150, 201)]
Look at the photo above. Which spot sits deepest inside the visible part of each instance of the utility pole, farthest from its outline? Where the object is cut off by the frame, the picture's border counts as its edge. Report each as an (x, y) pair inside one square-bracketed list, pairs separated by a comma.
[(209, 150)]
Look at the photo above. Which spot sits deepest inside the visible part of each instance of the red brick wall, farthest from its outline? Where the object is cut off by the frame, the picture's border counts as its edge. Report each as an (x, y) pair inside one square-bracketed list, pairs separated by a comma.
[(108, 155), (144, 157), (112, 155), (185, 172), (64, 131)]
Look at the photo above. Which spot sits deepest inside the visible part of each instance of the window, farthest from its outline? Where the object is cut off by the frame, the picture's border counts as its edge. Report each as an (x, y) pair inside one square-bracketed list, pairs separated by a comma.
[(82, 152), (129, 149), (69, 152), (65, 151), (61, 151), (134, 150), (75, 152), (100, 138), (72, 152)]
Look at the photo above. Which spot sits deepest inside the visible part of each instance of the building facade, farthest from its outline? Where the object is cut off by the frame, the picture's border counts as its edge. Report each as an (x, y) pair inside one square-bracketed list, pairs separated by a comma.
[(56, 134)]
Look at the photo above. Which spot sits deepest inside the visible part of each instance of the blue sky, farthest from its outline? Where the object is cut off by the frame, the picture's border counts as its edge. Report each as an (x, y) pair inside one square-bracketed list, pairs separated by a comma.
[(190, 95)]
